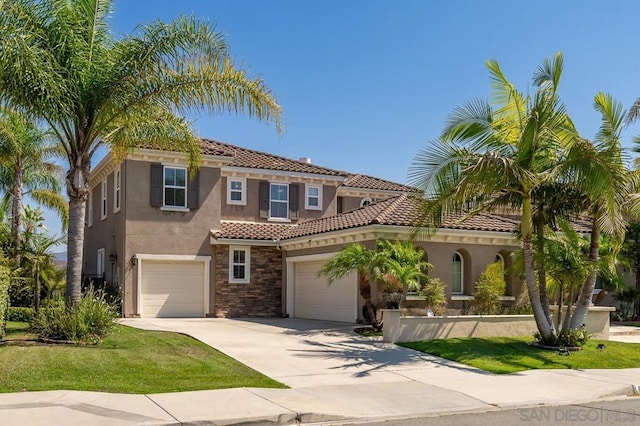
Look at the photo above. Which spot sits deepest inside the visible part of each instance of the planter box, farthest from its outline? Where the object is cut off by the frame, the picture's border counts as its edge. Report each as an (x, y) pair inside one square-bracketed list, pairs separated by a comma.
[(399, 328)]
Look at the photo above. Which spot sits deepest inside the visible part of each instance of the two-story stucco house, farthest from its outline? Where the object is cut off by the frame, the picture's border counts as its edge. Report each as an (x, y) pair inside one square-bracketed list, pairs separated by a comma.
[(247, 235)]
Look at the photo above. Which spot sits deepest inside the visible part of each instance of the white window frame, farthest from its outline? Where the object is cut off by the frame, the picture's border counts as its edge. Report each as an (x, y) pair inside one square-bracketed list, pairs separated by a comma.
[(100, 259), (90, 209), (277, 218), (185, 187), (247, 264), (117, 183), (500, 258), (103, 200), (461, 275), (243, 191), (308, 196)]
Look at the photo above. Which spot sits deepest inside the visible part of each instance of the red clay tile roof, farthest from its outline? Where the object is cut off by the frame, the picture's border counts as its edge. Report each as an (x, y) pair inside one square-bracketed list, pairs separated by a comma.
[(396, 211), (251, 231), (370, 182), (243, 157)]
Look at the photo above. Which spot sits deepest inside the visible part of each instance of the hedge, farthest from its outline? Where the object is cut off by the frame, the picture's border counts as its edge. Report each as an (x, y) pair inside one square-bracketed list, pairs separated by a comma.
[(4, 299)]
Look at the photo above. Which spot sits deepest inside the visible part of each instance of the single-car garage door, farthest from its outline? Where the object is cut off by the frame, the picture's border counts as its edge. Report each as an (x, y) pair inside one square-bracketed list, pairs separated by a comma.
[(315, 298), (172, 289)]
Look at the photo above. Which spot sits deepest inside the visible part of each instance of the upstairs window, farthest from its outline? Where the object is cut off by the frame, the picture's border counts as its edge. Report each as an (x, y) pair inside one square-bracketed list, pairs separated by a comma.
[(90, 209), (239, 264), (175, 187), (116, 190), (236, 190), (313, 199), (103, 204), (457, 273), (279, 201)]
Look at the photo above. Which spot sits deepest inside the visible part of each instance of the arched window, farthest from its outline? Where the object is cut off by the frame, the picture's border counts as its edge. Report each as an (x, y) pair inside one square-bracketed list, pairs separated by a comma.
[(458, 273), (365, 202), (499, 259)]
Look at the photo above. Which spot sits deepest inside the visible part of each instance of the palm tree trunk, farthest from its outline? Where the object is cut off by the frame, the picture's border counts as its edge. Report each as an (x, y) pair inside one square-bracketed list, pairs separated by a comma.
[(546, 330), (542, 272), (16, 211), (565, 324), (560, 304), (78, 191), (586, 291), (36, 298)]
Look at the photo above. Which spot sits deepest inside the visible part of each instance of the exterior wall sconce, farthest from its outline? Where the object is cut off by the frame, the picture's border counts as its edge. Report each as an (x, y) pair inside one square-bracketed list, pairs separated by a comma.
[(113, 257)]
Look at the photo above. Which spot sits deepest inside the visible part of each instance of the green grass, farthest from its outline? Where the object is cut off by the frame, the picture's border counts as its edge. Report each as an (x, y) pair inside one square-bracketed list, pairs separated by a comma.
[(503, 355), (128, 361)]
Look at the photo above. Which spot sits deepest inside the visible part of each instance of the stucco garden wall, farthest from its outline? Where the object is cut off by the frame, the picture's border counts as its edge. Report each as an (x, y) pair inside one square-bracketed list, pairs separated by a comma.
[(399, 328)]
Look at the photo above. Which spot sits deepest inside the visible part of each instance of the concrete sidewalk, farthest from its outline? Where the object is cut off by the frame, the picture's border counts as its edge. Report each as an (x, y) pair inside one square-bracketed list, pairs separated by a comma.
[(333, 373)]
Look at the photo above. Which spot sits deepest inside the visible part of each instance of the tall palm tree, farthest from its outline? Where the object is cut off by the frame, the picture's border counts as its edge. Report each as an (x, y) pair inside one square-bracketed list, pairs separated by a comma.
[(60, 62), (599, 169), (26, 168), (489, 155), (363, 261)]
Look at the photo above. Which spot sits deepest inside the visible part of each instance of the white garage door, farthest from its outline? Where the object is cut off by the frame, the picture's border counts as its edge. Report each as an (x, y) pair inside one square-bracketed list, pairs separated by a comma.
[(172, 289), (315, 298)]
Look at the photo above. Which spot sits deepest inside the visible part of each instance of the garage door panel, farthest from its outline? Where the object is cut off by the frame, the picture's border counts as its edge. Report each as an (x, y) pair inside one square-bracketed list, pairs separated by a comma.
[(172, 289), (315, 298)]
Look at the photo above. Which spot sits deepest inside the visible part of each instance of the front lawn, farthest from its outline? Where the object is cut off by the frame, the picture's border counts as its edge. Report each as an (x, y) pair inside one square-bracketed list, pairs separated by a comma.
[(128, 361), (504, 355)]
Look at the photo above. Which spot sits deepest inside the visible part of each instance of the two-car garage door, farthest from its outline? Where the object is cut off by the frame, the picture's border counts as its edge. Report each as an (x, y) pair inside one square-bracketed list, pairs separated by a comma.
[(172, 288), (315, 298)]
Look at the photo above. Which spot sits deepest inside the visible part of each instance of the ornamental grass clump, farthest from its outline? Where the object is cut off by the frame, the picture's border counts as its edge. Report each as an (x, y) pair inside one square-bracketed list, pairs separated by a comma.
[(88, 322)]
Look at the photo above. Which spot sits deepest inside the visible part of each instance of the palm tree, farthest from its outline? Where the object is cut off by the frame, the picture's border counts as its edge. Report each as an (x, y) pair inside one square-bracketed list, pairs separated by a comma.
[(402, 264), (40, 265), (366, 263), (599, 169), (488, 156), (60, 62), (26, 169)]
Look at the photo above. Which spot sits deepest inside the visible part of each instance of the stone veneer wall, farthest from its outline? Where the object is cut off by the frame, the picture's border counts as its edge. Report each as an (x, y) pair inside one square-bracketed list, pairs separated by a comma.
[(262, 297)]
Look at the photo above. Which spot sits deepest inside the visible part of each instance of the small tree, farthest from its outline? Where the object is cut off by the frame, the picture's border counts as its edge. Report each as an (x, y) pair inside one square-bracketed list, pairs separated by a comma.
[(433, 292), (489, 288)]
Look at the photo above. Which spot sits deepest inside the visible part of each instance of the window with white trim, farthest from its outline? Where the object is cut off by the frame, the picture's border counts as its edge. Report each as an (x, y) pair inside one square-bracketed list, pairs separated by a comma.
[(100, 263), (279, 201), (174, 187), (239, 264), (103, 202), (313, 197), (499, 259), (116, 190), (236, 191), (458, 273), (90, 208)]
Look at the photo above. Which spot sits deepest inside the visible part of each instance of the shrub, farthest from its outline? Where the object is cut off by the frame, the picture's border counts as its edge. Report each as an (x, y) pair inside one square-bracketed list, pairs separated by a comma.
[(433, 293), (19, 313), (522, 309), (573, 337), (490, 286), (88, 322), (4, 298)]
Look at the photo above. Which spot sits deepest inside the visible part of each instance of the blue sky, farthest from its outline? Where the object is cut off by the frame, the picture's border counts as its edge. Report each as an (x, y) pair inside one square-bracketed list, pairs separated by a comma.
[(366, 83)]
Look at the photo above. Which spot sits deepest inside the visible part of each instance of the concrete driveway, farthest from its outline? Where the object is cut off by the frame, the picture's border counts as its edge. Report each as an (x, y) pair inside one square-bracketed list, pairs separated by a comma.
[(310, 355), (301, 353)]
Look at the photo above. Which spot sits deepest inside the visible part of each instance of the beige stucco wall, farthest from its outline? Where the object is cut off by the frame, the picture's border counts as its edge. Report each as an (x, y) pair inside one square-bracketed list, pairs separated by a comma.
[(413, 328), (251, 211), (150, 230)]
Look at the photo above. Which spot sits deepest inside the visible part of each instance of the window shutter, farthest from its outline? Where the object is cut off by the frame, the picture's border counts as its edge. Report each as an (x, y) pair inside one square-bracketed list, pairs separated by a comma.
[(293, 200), (264, 200), (193, 189), (156, 185)]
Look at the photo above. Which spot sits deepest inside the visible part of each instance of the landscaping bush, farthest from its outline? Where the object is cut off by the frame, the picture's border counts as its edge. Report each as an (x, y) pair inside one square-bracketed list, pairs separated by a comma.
[(4, 298), (88, 322), (20, 314), (433, 293), (573, 337), (489, 288), (523, 309)]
